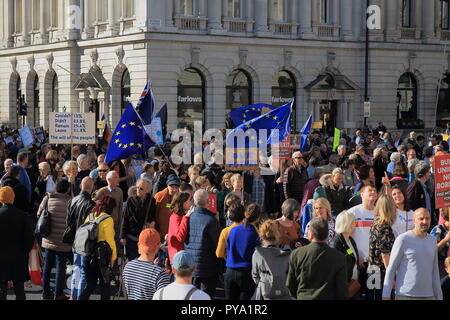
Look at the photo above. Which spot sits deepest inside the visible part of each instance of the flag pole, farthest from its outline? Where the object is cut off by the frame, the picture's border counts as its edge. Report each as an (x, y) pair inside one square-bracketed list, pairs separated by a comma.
[(165, 156)]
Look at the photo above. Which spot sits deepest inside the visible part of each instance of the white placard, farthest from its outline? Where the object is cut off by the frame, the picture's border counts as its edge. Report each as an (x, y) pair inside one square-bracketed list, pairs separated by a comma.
[(72, 128)]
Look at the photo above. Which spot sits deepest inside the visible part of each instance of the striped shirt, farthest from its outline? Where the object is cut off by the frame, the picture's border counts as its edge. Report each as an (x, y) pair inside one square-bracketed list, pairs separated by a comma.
[(142, 279)]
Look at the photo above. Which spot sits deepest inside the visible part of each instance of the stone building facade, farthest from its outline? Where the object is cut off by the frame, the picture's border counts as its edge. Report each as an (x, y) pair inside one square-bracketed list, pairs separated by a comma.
[(207, 56)]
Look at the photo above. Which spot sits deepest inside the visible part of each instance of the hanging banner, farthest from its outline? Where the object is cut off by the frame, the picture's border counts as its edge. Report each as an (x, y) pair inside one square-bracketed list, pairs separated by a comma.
[(72, 128), (442, 181)]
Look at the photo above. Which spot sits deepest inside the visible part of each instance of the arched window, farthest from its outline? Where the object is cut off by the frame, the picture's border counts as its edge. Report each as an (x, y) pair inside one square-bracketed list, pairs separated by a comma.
[(283, 92), (55, 94), (125, 92), (443, 108), (239, 92), (407, 98), (36, 101), (239, 89), (191, 98), (406, 13)]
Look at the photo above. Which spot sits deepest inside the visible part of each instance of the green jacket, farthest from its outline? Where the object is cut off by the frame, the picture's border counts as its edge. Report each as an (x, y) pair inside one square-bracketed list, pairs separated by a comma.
[(317, 272)]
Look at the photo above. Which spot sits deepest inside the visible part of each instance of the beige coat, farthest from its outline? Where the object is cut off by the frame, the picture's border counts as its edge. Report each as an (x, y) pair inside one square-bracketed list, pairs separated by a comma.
[(57, 207)]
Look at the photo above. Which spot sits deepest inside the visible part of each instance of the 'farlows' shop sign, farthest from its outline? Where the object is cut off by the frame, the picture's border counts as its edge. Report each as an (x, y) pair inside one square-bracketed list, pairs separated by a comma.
[(190, 99)]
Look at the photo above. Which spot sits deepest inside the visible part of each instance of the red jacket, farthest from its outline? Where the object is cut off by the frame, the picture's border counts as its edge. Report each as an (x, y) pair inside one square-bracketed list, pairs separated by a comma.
[(178, 229)]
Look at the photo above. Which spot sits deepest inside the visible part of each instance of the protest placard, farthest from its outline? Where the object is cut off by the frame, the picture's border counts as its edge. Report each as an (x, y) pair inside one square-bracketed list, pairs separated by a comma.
[(442, 181), (72, 128)]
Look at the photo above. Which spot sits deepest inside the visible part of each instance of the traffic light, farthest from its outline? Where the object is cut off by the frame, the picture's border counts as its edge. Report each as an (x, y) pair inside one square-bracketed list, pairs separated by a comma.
[(22, 106), (23, 109)]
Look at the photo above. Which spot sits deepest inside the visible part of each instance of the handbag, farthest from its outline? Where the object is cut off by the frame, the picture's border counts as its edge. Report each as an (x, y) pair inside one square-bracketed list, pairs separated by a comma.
[(43, 226), (353, 288)]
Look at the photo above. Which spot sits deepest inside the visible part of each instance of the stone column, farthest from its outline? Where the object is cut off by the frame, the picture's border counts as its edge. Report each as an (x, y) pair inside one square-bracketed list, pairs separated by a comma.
[(43, 22), (169, 13), (74, 19), (9, 9), (335, 14), (87, 9), (347, 19), (378, 35), (215, 17), (392, 13), (418, 18), (316, 110), (250, 15), (261, 17), (202, 9), (359, 18), (25, 22), (111, 29), (306, 19), (293, 9), (428, 21)]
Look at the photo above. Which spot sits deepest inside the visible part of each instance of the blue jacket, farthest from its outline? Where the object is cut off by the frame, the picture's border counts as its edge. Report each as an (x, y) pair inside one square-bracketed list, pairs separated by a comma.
[(201, 242), (241, 244)]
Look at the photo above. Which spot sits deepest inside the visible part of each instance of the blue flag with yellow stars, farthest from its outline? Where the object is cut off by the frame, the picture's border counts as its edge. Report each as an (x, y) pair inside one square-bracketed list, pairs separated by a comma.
[(128, 138), (279, 118), (247, 113)]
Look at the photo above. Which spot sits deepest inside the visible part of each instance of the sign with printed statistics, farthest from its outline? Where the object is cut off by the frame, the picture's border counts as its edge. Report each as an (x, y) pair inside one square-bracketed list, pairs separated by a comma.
[(72, 128), (442, 180)]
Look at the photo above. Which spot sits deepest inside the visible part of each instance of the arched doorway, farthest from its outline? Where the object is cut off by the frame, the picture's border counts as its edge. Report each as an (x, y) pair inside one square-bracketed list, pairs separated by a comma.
[(284, 91), (191, 99)]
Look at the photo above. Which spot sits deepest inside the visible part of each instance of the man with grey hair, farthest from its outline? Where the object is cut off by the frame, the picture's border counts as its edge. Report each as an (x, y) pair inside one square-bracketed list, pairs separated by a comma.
[(396, 157), (413, 263), (83, 166), (411, 167), (417, 194), (112, 190), (7, 164), (139, 212), (317, 271), (202, 240)]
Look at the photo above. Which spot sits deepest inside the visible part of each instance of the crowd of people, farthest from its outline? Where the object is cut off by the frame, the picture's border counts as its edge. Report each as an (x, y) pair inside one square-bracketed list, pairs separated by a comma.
[(356, 223)]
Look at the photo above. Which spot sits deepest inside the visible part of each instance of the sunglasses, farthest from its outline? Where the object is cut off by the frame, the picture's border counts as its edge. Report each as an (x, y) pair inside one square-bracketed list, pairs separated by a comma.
[(142, 189), (102, 170)]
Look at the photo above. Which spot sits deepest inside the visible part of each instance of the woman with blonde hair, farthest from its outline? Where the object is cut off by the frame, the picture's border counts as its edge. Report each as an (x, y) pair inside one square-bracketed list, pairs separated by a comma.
[(381, 239), (270, 262), (322, 209)]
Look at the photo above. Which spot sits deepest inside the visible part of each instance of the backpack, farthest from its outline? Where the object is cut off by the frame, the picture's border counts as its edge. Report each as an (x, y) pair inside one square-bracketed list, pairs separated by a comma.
[(44, 225), (87, 235), (187, 297), (272, 284)]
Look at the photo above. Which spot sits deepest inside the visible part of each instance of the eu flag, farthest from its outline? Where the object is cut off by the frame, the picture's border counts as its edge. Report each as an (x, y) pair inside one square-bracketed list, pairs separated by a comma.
[(146, 104), (128, 138), (247, 113), (304, 133), (279, 118)]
